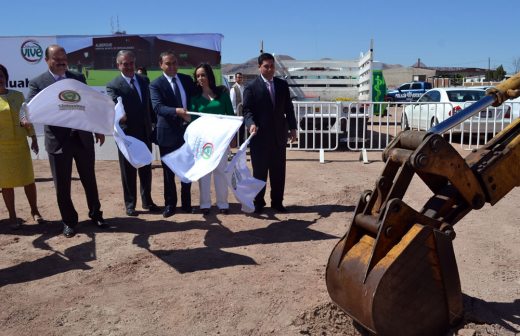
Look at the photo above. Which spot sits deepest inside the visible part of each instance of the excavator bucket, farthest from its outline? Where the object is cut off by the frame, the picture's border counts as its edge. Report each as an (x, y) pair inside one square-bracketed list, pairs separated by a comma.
[(395, 271), (406, 291)]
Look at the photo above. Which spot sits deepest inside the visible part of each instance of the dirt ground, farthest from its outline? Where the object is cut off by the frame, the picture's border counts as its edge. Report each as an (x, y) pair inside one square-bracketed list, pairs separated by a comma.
[(233, 274)]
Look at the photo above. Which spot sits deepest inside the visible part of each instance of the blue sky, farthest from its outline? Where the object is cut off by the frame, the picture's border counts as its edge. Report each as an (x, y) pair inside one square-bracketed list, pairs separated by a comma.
[(441, 33)]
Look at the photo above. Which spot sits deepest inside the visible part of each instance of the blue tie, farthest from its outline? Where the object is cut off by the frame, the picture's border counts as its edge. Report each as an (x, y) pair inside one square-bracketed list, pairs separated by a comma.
[(177, 92), (132, 80)]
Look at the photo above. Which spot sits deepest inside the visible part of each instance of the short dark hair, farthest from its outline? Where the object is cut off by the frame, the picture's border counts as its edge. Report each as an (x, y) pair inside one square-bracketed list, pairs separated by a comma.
[(166, 53), (57, 46), (4, 71), (264, 57), (238, 73)]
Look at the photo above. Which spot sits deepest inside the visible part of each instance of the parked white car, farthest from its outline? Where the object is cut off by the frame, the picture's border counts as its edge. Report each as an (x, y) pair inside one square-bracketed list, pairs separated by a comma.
[(515, 107), (438, 104), (513, 103)]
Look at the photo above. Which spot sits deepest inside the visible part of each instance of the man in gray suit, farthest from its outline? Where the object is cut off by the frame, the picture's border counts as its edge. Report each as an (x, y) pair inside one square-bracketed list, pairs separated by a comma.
[(65, 145), (137, 122)]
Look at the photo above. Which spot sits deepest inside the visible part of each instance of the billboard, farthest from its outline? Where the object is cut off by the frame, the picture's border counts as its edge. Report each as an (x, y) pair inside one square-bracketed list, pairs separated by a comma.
[(95, 55)]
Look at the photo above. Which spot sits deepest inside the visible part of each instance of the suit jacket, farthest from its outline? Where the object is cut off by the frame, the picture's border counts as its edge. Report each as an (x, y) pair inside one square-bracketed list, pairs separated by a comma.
[(170, 128), (56, 137), (272, 121), (138, 111)]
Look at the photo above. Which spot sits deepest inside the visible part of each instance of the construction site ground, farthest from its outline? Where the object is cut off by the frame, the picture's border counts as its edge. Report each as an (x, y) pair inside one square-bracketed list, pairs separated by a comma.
[(233, 274)]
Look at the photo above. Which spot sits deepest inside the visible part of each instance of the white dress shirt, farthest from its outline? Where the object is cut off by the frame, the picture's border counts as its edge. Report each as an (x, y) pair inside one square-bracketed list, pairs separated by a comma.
[(181, 89)]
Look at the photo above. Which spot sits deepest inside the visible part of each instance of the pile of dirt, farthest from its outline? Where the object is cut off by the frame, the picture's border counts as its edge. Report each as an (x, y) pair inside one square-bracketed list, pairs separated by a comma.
[(327, 320)]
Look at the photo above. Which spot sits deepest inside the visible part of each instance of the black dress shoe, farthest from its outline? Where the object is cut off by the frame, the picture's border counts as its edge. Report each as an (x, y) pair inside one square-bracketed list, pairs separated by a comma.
[(188, 209), (15, 224), (152, 207), (99, 222), (169, 211), (224, 211), (131, 212), (205, 211), (259, 209), (68, 231), (279, 208)]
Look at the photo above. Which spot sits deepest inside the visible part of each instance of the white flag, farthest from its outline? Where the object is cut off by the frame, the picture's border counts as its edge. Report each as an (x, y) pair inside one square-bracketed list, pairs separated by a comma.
[(134, 150), (71, 103), (205, 142), (244, 186)]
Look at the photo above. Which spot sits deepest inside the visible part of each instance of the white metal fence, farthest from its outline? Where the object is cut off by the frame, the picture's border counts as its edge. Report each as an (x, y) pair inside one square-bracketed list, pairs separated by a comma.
[(372, 125), (366, 126)]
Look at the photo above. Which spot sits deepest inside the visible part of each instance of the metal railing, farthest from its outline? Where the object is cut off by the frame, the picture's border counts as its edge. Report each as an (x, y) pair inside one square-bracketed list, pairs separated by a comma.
[(318, 125), (365, 126), (371, 126)]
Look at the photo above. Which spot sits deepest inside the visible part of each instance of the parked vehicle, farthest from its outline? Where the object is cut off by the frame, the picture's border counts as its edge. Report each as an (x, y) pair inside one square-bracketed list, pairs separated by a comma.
[(513, 103), (408, 92), (515, 107), (436, 105)]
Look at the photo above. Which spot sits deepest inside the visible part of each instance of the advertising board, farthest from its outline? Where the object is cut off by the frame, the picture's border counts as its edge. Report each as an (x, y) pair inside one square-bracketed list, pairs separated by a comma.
[(94, 56)]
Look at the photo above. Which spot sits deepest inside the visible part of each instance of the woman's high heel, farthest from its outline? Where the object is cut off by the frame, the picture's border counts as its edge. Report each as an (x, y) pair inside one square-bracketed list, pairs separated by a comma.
[(37, 218)]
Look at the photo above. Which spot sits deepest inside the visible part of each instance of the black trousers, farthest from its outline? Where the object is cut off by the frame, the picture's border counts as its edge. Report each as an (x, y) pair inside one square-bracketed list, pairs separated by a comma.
[(61, 168), (170, 190), (129, 180), (268, 159)]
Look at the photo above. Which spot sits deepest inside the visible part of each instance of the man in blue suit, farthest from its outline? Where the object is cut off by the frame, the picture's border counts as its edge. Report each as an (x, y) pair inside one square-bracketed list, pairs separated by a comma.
[(268, 112), (171, 93), (137, 122)]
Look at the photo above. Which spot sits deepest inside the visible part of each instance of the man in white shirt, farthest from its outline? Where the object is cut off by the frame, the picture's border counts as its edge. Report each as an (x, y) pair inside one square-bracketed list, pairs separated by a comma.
[(236, 94)]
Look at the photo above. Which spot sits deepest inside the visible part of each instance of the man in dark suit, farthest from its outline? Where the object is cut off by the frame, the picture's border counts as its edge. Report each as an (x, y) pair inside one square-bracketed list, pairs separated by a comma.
[(65, 144), (137, 122), (170, 94), (268, 112)]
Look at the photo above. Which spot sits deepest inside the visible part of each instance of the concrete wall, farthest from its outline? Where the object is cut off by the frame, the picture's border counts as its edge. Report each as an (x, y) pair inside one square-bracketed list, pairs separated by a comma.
[(396, 76)]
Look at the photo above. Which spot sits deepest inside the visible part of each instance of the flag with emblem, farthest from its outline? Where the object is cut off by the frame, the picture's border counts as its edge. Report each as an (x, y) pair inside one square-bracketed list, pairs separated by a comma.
[(134, 150), (205, 142), (71, 103), (243, 185)]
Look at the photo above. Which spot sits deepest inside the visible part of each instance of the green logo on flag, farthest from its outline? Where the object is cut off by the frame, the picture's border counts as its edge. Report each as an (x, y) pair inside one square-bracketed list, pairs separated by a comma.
[(69, 96), (207, 151)]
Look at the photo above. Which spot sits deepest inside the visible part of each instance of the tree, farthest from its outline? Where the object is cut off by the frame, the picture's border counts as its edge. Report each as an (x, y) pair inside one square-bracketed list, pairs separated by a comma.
[(516, 64), (500, 73), (457, 80), (496, 75)]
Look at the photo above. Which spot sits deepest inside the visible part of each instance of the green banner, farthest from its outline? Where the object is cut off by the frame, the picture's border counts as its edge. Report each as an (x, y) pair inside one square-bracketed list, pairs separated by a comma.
[(378, 90)]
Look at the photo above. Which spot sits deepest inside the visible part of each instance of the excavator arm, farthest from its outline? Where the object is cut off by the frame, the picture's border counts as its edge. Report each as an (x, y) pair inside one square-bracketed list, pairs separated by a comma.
[(395, 269)]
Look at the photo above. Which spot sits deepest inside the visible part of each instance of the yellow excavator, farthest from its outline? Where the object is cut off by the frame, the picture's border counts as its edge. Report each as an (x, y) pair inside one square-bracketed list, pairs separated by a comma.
[(394, 271)]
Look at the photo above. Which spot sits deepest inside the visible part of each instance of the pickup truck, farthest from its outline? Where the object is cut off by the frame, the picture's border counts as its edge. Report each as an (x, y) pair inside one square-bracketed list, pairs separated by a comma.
[(408, 92)]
